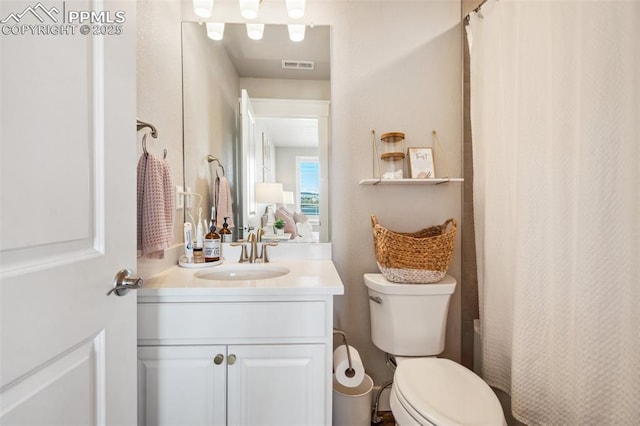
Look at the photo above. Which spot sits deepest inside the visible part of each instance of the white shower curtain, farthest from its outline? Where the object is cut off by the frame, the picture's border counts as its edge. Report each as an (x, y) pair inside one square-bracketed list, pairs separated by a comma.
[(555, 110)]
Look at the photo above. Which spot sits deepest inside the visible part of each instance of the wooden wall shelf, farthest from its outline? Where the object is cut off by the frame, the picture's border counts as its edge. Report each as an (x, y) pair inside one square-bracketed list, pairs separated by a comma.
[(435, 181)]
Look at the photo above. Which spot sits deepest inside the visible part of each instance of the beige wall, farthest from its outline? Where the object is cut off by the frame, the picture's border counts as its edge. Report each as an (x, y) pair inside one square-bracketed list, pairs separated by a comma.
[(210, 106), (286, 164), (286, 89), (396, 66), (159, 96), (469, 5)]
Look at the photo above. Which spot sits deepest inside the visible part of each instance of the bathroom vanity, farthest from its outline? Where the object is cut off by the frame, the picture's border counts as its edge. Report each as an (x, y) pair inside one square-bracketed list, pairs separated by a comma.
[(234, 347)]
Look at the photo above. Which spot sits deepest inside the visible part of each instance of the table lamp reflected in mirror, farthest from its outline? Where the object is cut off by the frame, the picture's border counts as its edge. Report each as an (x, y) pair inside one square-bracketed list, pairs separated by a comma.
[(269, 194)]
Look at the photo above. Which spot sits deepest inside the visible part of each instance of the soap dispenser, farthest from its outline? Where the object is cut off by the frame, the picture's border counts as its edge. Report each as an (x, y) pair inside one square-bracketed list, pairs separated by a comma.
[(212, 245), (225, 233)]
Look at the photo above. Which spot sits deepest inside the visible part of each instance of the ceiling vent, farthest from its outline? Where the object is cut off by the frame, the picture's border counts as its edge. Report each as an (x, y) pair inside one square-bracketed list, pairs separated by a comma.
[(297, 65)]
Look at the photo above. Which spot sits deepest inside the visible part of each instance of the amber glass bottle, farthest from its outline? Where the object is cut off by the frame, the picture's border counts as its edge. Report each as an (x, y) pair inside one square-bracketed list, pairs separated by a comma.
[(225, 233), (212, 245)]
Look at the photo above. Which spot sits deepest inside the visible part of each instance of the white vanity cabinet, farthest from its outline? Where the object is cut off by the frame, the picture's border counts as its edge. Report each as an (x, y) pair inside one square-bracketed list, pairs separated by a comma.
[(212, 357), (181, 385), (235, 385), (276, 385)]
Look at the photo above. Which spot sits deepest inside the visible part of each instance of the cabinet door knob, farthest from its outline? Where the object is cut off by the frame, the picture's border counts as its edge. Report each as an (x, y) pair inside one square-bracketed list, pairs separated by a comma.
[(218, 359), (231, 359)]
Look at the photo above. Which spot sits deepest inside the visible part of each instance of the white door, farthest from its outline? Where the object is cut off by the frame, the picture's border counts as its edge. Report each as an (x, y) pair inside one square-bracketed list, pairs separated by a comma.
[(182, 385), (248, 155), (276, 385), (67, 214)]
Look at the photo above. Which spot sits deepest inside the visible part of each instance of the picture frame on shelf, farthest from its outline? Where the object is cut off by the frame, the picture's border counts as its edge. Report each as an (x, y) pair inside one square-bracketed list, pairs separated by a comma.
[(421, 163)]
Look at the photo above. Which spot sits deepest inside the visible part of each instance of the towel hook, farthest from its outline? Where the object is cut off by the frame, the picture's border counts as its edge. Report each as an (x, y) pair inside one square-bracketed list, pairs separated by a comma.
[(143, 124), (211, 159), (144, 146)]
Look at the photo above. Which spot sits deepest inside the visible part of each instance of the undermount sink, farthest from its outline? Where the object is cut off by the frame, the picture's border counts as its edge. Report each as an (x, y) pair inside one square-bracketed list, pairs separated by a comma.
[(242, 272)]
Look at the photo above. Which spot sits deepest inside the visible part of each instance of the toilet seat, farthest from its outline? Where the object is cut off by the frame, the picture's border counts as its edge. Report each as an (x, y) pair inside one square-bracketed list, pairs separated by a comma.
[(438, 391)]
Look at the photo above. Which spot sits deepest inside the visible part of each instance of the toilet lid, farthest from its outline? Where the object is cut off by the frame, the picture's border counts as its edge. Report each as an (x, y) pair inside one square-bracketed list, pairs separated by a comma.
[(446, 393)]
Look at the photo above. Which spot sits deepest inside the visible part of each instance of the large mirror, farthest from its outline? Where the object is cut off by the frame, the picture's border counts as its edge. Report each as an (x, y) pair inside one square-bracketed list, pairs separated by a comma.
[(257, 112)]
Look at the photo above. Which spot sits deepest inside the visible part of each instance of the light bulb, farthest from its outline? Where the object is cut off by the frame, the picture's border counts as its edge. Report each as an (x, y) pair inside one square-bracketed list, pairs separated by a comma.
[(255, 31), (249, 8), (215, 30), (295, 8), (296, 32), (202, 8)]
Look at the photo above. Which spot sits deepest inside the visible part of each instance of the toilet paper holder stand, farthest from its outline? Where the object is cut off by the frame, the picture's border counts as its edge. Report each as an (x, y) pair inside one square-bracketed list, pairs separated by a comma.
[(350, 372)]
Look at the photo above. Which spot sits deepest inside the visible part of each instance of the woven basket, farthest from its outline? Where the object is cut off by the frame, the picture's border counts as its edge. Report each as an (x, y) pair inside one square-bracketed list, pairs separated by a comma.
[(418, 258)]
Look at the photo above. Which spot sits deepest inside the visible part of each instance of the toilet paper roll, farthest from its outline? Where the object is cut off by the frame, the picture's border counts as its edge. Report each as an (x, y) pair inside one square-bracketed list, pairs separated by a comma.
[(341, 365)]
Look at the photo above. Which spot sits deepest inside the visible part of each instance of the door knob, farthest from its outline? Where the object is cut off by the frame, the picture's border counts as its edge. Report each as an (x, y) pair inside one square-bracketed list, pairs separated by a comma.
[(123, 282), (231, 359), (218, 359)]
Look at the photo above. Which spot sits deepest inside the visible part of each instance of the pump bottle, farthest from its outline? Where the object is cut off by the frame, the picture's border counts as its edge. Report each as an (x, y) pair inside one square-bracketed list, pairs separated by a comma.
[(212, 245)]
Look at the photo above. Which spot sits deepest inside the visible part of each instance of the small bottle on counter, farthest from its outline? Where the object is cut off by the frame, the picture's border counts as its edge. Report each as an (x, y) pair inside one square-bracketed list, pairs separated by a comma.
[(212, 245), (225, 233), (198, 255)]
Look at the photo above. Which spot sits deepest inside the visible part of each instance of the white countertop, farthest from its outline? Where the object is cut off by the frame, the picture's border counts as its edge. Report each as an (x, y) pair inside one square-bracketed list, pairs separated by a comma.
[(306, 277)]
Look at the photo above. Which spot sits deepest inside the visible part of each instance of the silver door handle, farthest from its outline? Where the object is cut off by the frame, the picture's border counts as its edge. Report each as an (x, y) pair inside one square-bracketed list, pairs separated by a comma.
[(123, 282)]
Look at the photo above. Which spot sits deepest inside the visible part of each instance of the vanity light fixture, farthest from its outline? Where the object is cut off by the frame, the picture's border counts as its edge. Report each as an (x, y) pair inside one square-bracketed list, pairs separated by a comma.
[(215, 30), (295, 8), (202, 8), (249, 8), (296, 32), (255, 31)]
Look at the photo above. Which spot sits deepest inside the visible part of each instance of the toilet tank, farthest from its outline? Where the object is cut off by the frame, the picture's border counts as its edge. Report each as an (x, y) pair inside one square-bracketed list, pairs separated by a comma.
[(409, 319)]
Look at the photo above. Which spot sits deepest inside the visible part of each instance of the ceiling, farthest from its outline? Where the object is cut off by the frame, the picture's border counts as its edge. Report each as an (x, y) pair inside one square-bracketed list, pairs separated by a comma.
[(262, 58), (291, 132)]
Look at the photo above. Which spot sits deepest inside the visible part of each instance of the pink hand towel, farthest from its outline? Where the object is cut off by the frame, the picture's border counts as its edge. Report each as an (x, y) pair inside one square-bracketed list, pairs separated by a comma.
[(155, 207)]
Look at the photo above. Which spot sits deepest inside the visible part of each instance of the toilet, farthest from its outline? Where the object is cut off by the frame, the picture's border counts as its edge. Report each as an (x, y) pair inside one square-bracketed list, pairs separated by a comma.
[(408, 321)]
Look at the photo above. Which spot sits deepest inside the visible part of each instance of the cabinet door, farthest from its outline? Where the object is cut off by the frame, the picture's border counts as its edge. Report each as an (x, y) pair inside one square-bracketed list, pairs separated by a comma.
[(182, 385), (276, 385)]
